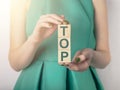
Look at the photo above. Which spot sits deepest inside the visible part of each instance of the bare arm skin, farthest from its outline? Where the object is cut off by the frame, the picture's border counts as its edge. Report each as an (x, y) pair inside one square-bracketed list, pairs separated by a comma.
[(100, 57), (102, 54), (22, 49)]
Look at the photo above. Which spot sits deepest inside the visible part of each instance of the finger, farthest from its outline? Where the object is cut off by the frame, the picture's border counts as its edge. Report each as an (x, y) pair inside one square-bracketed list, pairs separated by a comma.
[(57, 17), (81, 57), (44, 16), (79, 67), (73, 66), (50, 20), (66, 64), (63, 63), (83, 66), (86, 52), (76, 54), (62, 16), (50, 26), (45, 25)]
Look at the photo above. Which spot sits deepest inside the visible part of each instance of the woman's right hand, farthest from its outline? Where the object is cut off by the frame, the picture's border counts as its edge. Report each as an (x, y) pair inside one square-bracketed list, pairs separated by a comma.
[(46, 26)]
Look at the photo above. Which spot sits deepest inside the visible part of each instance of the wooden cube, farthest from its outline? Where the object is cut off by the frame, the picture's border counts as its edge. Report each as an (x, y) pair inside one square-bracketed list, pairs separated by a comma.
[(64, 43)]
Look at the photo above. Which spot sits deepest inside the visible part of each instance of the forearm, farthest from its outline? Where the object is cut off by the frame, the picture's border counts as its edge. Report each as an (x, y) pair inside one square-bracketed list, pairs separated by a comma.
[(23, 56), (100, 59)]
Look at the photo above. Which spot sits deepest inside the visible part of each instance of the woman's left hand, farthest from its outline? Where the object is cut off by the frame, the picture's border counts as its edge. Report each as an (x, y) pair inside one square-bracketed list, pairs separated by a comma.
[(81, 60)]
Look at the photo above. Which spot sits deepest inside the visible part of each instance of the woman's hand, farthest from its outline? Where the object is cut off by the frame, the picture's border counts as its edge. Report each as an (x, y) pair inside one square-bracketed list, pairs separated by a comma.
[(100, 57), (81, 60), (46, 26)]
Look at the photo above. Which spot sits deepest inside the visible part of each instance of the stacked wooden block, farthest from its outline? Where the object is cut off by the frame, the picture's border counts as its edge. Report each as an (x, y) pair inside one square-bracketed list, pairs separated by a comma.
[(64, 42)]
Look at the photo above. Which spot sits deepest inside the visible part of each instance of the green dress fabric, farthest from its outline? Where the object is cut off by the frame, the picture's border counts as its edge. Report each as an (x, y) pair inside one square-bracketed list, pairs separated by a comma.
[(45, 73)]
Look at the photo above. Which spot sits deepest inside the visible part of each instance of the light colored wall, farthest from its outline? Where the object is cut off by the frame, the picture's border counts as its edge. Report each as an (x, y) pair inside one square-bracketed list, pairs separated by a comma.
[(109, 76), (7, 75)]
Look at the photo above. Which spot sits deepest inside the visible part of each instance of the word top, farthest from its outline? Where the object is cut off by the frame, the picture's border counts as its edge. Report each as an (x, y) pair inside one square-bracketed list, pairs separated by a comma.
[(64, 42)]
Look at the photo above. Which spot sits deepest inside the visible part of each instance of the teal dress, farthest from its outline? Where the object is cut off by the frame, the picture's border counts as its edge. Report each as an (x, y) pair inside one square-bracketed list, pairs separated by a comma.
[(45, 73)]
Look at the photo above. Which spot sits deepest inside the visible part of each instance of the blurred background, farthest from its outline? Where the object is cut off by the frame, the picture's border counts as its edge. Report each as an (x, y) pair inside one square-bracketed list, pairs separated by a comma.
[(109, 76)]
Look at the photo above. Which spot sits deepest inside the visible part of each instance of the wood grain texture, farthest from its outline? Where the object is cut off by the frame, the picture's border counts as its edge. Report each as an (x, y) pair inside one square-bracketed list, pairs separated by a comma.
[(64, 43)]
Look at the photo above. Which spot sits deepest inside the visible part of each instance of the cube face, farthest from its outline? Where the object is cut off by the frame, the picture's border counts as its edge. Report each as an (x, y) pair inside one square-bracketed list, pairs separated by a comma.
[(64, 43)]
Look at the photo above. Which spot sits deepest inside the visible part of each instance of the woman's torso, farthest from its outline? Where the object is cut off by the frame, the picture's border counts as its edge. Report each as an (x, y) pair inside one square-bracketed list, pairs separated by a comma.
[(49, 75), (79, 13)]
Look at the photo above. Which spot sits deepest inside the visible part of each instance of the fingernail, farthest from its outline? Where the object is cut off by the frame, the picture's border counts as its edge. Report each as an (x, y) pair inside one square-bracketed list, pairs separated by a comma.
[(66, 64), (82, 57), (78, 60), (61, 63), (62, 15), (65, 22)]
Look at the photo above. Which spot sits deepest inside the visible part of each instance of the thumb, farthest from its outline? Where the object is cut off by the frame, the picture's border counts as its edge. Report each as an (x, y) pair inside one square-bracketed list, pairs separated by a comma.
[(80, 58)]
